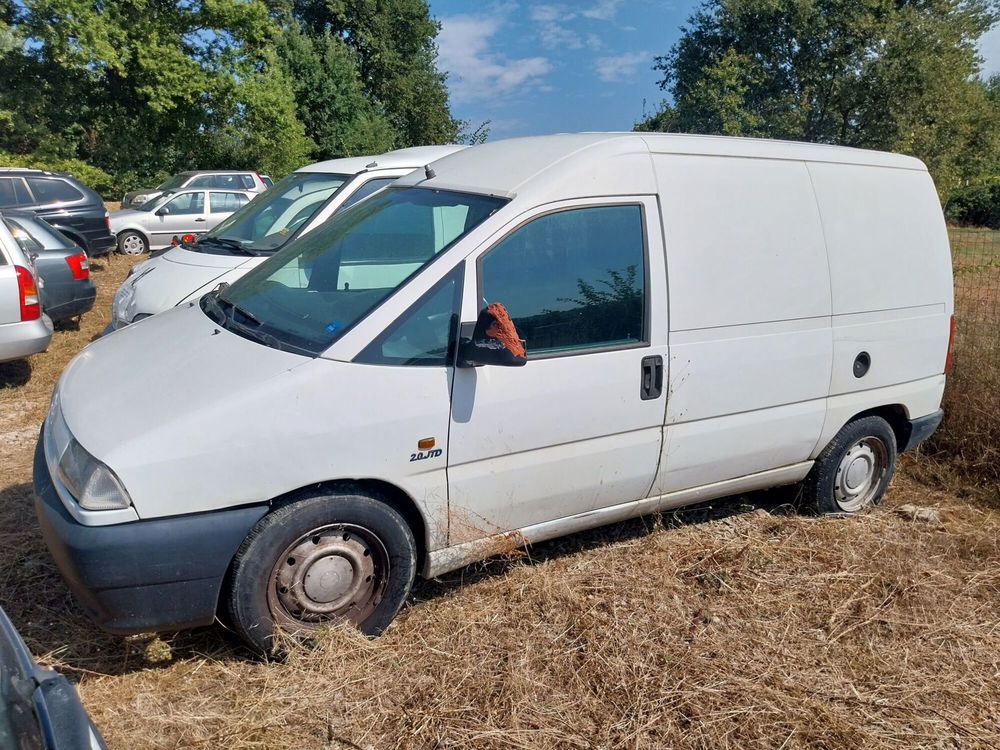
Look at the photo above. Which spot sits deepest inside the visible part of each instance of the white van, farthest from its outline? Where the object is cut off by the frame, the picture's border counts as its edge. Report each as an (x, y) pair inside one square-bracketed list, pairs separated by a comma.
[(702, 316), (245, 239)]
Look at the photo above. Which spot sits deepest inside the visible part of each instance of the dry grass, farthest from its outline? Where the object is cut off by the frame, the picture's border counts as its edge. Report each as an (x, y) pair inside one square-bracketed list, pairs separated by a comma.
[(970, 437), (711, 628)]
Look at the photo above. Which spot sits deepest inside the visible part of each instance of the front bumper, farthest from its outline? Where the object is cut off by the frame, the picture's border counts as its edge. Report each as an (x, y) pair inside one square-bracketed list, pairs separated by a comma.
[(19, 340), (146, 575)]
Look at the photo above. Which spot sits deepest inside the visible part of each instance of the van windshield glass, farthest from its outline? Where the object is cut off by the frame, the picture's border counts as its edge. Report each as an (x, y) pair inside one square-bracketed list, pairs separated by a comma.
[(269, 220), (308, 295)]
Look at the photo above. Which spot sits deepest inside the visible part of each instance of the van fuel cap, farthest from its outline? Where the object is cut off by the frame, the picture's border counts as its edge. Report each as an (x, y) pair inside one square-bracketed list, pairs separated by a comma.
[(861, 364)]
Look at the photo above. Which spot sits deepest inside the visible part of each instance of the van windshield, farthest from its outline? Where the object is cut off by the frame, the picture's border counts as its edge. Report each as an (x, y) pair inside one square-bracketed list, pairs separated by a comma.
[(269, 220), (308, 295)]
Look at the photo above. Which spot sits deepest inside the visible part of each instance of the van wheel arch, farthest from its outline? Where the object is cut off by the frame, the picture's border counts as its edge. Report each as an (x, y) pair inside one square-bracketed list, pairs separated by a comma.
[(896, 415), (380, 490)]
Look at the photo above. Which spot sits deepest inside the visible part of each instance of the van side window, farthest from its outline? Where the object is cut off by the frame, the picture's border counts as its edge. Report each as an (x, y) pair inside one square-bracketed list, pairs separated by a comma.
[(571, 280), (425, 334)]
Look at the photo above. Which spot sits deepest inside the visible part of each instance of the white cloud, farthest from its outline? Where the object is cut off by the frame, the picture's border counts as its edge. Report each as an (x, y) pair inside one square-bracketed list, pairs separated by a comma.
[(475, 70), (620, 67), (555, 35), (989, 49), (549, 13), (603, 11)]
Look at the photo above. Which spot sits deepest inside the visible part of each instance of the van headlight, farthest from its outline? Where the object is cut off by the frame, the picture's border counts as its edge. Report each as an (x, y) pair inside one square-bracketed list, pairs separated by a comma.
[(91, 482)]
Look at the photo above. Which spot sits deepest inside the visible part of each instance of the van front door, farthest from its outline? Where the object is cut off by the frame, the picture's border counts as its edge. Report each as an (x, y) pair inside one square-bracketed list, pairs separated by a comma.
[(574, 430)]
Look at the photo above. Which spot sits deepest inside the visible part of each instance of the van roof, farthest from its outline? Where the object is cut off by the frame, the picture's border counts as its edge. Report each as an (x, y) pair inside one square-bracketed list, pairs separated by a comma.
[(591, 163), (404, 158)]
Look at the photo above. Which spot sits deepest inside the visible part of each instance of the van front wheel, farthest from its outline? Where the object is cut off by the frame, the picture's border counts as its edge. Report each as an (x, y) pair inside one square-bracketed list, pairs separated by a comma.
[(853, 471), (318, 561)]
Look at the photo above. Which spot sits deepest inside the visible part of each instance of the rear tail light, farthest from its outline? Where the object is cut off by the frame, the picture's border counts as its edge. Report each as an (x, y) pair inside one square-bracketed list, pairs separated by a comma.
[(79, 264), (951, 340), (28, 293), (107, 220)]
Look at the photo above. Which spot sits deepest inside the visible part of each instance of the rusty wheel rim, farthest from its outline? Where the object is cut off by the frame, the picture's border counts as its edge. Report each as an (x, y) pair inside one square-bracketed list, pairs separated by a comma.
[(335, 572)]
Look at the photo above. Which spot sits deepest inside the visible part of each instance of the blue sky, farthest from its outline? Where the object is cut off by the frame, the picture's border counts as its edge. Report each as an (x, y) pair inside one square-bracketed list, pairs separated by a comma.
[(550, 67), (553, 67)]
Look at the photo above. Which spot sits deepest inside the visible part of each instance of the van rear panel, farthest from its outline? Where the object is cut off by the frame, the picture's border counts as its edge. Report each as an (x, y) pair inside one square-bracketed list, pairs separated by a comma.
[(890, 273)]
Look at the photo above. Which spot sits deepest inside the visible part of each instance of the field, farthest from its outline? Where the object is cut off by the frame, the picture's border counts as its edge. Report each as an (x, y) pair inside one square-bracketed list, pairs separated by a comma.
[(737, 625)]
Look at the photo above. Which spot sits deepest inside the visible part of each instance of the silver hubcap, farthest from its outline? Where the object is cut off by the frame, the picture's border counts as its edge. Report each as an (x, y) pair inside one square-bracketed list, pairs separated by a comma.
[(133, 245), (860, 474), (334, 572)]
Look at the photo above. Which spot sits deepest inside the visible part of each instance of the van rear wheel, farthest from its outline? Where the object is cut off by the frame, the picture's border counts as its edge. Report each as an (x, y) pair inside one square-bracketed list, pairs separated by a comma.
[(853, 471), (321, 560)]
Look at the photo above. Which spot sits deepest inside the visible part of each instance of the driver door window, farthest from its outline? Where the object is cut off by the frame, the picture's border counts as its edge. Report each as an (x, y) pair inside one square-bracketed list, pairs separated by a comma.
[(572, 280), (186, 204)]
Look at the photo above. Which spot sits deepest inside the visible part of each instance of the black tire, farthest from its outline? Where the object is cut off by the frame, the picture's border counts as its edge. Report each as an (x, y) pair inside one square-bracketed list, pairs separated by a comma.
[(131, 242), (853, 471), (329, 543)]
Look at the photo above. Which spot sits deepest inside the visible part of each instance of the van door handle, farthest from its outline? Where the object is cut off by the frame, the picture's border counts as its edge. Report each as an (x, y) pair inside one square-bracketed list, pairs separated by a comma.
[(652, 378), (201, 218)]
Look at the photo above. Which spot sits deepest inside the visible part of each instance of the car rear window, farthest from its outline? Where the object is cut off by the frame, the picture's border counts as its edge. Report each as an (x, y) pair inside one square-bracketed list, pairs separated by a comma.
[(52, 190), (13, 192)]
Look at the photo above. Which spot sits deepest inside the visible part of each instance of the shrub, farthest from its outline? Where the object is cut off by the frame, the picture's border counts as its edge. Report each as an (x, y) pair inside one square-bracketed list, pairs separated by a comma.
[(91, 176), (975, 205)]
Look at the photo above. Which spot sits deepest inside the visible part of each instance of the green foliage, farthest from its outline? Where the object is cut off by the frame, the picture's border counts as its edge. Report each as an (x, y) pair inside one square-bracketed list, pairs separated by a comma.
[(394, 41), (975, 205), (86, 173), (332, 104), (141, 89), (870, 73)]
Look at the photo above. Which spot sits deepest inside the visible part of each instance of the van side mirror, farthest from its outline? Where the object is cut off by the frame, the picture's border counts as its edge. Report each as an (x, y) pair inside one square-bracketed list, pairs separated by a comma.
[(494, 341), (162, 211)]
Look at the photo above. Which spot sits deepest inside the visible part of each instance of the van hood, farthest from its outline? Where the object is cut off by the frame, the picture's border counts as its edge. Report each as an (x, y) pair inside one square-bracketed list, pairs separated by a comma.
[(160, 370), (168, 280), (186, 257)]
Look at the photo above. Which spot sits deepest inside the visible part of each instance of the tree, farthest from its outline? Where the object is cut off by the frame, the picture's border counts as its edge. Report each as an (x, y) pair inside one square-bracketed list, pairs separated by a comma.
[(331, 102), (886, 74), (394, 41)]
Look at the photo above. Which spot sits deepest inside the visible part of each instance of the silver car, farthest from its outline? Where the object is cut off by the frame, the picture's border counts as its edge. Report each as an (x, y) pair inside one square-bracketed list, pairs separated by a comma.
[(253, 182), (24, 328), (174, 217)]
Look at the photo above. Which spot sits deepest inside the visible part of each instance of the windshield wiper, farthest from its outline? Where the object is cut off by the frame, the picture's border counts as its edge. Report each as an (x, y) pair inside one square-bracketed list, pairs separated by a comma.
[(230, 244), (213, 307)]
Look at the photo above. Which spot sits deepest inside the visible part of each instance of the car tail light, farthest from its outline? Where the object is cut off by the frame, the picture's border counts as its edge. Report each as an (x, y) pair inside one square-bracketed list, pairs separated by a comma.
[(951, 340), (107, 220), (79, 264), (30, 308)]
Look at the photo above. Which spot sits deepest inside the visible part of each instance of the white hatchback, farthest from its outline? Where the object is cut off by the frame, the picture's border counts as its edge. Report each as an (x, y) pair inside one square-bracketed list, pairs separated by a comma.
[(173, 216)]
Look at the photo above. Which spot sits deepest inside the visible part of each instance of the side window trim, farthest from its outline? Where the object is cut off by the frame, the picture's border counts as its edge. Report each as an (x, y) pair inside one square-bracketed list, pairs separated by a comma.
[(457, 276), (481, 253)]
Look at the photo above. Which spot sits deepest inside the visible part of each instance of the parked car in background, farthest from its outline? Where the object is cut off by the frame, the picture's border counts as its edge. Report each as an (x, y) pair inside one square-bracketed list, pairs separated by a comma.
[(294, 206), (173, 214), (67, 290), (39, 708), (253, 182), (24, 328), (67, 204), (530, 338)]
